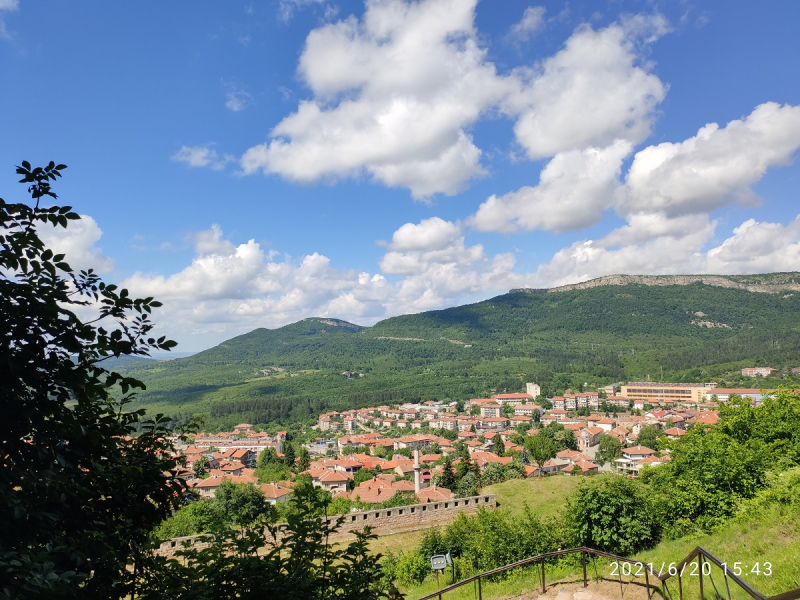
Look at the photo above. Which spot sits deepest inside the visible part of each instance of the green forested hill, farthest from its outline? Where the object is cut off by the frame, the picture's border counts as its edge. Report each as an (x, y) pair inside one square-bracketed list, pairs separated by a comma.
[(561, 339)]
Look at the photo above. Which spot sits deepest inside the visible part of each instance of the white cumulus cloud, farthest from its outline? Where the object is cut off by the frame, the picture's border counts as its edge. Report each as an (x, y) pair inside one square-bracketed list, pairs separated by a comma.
[(531, 23), (574, 190), (77, 243), (594, 91), (715, 167), (394, 94)]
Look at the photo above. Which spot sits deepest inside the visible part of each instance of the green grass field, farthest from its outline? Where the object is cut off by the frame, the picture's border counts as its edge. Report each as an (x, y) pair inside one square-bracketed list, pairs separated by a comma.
[(545, 496), (772, 538)]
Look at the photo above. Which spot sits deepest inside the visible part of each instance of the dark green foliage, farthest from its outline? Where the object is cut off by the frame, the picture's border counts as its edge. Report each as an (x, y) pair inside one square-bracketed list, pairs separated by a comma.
[(267, 457), (498, 447), (598, 335), (609, 449), (468, 485), (304, 567), (648, 436), (491, 539), (363, 475), (241, 504), (78, 494), (196, 517), (200, 466), (540, 448), (288, 455), (447, 478), (303, 459), (613, 514), (715, 468), (493, 473)]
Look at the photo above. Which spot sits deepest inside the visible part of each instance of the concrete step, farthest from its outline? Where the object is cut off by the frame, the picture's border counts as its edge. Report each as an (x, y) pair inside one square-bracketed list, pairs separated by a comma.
[(596, 590)]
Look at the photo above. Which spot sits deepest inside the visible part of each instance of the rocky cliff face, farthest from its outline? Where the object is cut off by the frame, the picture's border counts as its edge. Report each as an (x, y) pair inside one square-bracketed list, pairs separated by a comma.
[(766, 283)]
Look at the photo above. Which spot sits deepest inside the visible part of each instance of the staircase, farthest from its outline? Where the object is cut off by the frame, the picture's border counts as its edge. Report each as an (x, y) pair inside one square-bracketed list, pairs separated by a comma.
[(719, 583)]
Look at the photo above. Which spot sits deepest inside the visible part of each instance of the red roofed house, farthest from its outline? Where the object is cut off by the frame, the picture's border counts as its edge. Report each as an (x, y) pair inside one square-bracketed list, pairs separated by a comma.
[(434, 494), (275, 494), (632, 460), (583, 467)]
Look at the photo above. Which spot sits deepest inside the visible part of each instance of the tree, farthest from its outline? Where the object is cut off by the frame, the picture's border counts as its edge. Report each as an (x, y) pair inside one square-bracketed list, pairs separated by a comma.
[(468, 485), (612, 514), (434, 448), (609, 448), (249, 564), (242, 504), (541, 448), (364, 475), (200, 466), (447, 478), (565, 438), (84, 480), (303, 459), (648, 436), (498, 445), (195, 517), (289, 456), (267, 457), (493, 473)]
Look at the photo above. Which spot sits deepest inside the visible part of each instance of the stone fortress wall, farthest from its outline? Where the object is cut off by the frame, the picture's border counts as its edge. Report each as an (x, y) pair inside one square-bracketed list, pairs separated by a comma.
[(385, 521)]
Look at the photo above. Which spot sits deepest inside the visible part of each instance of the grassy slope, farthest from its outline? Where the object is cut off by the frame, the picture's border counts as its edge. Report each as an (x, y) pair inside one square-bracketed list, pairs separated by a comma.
[(773, 537), (545, 496)]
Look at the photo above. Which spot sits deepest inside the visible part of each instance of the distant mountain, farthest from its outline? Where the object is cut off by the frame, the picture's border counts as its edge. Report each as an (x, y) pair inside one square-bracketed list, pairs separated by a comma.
[(769, 282), (690, 328)]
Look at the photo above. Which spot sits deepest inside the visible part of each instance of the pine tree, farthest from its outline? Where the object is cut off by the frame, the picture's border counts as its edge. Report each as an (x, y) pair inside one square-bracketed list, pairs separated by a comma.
[(498, 446)]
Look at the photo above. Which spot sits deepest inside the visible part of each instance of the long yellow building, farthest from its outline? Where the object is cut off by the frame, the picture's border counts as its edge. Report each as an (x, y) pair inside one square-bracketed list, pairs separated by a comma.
[(693, 393)]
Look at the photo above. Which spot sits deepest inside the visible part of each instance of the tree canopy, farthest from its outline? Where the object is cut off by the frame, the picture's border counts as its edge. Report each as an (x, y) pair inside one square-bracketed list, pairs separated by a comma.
[(83, 480)]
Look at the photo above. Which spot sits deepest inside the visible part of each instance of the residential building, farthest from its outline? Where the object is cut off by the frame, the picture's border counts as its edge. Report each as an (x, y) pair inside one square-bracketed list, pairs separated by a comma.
[(755, 371), (648, 391), (512, 399)]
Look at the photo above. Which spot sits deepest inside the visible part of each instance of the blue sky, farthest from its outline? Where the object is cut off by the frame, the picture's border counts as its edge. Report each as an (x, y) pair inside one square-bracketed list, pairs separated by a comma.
[(255, 163)]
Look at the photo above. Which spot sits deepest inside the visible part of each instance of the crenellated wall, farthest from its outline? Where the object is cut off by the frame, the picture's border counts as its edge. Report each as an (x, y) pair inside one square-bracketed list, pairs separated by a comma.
[(385, 521)]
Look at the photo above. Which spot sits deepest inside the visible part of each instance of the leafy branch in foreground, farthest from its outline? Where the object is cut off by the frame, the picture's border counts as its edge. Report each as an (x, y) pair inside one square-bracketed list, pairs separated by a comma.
[(300, 563), (79, 492)]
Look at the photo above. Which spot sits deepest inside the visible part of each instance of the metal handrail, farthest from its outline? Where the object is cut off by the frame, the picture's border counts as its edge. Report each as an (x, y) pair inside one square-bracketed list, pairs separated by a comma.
[(699, 553)]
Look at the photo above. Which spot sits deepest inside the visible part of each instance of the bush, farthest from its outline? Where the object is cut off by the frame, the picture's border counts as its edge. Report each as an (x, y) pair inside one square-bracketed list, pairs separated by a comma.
[(408, 568), (303, 567), (613, 514)]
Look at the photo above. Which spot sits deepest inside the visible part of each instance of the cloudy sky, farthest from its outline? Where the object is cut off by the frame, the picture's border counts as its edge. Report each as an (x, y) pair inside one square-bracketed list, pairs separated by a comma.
[(254, 163)]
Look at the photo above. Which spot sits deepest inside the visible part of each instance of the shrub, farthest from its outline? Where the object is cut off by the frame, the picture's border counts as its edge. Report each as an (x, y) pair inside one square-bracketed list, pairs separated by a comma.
[(612, 514)]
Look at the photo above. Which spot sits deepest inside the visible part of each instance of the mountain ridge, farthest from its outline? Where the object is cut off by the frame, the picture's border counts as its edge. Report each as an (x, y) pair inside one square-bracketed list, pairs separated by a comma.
[(778, 282), (618, 328)]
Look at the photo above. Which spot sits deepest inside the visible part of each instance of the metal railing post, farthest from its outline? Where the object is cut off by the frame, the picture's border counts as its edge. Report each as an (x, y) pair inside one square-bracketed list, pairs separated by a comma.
[(680, 584), (647, 583), (543, 576), (727, 587), (583, 562), (700, 565), (480, 592)]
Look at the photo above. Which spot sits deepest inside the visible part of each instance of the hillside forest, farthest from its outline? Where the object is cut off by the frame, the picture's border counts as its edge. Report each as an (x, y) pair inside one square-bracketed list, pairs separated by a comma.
[(576, 339)]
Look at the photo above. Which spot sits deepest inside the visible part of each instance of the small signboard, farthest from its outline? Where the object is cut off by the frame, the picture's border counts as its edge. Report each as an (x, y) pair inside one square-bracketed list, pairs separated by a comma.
[(439, 562)]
